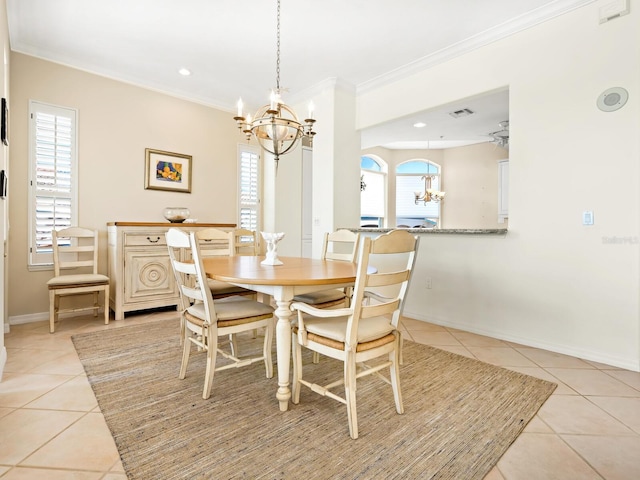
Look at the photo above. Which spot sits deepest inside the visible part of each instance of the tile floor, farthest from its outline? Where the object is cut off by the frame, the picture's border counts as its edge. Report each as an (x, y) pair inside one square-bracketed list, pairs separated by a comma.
[(51, 427)]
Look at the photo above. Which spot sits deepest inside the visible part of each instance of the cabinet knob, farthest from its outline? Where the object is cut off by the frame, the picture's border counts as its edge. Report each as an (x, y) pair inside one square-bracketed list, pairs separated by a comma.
[(154, 241)]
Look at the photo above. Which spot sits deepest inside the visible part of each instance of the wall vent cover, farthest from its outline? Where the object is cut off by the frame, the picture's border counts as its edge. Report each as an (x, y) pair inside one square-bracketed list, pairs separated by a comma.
[(461, 113)]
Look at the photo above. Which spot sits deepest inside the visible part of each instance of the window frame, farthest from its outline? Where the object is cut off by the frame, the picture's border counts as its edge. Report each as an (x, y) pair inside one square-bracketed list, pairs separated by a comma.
[(40, 257)]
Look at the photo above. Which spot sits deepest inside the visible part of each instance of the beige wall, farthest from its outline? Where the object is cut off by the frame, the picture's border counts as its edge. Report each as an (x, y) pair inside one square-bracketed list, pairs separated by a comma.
[(550, 282), (469, 178), (116, 122)]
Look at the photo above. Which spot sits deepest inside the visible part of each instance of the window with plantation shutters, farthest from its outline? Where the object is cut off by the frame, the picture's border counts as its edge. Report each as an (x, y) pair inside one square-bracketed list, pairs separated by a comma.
[(53, 177), (248, 188)]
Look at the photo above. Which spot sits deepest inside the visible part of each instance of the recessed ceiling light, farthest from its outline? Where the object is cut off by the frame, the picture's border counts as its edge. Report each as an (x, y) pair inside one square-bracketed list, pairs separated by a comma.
[(420, 125), (184, 71)]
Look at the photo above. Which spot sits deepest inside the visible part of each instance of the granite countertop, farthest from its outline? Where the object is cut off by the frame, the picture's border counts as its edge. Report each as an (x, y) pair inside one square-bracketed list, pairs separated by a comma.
[(456, 231)]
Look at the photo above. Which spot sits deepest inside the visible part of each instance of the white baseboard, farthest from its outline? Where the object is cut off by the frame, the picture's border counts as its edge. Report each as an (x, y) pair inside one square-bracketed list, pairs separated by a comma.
[(3, 360), (627, 364), (42, 316), (29, 318)]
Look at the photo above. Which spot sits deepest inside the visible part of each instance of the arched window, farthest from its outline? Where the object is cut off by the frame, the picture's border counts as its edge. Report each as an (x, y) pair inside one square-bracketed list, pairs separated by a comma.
[(409, 181), (373, 180)]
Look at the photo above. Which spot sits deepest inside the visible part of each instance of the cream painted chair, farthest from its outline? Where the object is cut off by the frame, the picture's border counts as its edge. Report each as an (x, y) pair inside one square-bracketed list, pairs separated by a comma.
[(215, 242), (245, 242), (205, 321), (75, 263), (368, 329), (342, 246)]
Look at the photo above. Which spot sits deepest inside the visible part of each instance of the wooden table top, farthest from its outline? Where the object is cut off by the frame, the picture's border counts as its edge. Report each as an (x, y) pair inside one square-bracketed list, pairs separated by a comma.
[(294, 271)]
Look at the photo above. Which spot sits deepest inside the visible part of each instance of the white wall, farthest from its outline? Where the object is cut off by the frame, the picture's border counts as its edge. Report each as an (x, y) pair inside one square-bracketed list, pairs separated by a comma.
[(551, 281)]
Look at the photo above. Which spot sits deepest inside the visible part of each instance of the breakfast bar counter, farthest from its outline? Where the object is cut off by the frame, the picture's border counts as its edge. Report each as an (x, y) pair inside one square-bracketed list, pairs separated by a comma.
[(436, 231)]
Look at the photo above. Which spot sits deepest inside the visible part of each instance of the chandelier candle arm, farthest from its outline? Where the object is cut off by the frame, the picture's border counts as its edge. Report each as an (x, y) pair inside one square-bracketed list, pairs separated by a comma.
[(276, 126)]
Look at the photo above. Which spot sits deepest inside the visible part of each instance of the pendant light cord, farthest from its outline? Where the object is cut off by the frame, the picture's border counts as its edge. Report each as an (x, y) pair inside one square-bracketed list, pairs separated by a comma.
[(278, 52)]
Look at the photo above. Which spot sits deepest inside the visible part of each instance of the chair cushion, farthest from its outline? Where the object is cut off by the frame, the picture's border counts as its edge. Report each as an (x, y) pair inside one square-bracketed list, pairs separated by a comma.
[(324, 296), (233, 308), (80, 279), (223, 288), (369, 329)]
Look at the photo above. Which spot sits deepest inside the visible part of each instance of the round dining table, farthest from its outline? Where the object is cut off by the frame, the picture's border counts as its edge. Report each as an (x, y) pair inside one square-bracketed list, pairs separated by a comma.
[(296, 275)]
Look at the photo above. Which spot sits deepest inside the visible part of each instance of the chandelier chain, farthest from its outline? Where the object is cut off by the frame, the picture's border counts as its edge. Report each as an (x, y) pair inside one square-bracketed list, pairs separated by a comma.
[(278, 52)]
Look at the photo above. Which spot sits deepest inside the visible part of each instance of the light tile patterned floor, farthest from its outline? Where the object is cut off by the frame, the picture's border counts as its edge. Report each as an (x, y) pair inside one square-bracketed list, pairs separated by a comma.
[(51, 427)]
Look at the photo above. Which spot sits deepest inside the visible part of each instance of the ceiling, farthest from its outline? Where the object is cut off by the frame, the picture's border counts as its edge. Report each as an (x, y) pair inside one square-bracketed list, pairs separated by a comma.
[(230, 48)]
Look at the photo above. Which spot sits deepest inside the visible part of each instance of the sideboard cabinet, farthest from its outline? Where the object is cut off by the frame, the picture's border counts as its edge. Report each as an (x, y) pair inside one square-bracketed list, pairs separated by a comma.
[(139, 267)]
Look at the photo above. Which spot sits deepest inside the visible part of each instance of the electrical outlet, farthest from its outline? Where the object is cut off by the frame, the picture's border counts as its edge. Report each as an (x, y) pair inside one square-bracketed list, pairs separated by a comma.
[(428, 283)]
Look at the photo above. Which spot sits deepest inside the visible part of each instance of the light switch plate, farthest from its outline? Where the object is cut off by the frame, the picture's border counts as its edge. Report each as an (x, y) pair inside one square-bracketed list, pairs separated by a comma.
[(587, 218)]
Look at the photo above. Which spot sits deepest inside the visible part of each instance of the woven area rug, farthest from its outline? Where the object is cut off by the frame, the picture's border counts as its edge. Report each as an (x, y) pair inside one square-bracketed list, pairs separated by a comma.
[(460, 416)]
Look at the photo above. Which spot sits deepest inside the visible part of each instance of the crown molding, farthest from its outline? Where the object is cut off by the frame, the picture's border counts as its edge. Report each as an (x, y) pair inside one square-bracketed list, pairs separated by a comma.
[(523, 22), (332, 83)]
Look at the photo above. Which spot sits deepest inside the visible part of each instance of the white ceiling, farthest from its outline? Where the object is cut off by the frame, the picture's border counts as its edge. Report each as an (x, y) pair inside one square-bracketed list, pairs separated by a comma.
[(230, 48)]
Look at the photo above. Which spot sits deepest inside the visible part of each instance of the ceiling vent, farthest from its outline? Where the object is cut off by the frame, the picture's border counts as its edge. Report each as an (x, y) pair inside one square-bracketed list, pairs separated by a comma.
[(465, 112)]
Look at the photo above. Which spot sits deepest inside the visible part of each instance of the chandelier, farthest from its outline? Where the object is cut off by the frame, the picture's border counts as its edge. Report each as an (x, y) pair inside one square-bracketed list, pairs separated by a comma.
[(429, 194), (276, 126)]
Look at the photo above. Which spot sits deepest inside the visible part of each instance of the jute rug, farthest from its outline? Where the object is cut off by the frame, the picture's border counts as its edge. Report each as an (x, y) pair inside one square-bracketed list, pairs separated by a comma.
[(460, 416)]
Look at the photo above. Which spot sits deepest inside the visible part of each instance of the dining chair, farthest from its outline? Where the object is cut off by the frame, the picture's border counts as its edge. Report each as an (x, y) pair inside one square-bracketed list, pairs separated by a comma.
[(245, 242), (204, 321), (365, 330), (341, 245), (76, 249), (215, 242)]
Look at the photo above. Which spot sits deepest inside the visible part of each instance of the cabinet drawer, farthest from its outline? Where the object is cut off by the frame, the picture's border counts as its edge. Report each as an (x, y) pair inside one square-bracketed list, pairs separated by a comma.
[(145, 239)]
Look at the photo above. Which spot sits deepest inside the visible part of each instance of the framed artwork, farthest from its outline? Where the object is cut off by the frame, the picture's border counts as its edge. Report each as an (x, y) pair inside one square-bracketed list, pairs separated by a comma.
[(167, 171), (4, 123)]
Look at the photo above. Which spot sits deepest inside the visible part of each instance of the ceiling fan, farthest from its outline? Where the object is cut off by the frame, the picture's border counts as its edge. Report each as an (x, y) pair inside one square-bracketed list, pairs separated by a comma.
[(501, 137)]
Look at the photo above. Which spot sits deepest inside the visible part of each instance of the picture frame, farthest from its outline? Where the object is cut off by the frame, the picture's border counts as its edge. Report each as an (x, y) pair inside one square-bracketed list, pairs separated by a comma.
[(4, 122), (167, 171)]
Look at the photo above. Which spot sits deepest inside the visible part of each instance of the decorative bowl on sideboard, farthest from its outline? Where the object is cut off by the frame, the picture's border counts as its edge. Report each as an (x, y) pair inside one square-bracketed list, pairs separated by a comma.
[(176, 214)]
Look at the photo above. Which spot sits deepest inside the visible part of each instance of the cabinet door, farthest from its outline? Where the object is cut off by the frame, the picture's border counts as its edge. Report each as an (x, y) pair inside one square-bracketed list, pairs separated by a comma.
[(148, 276)]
